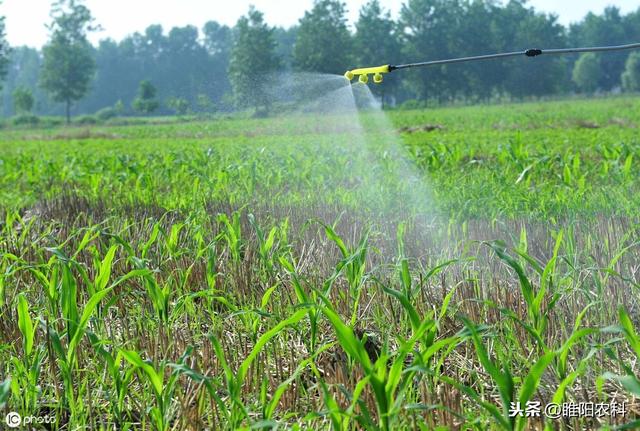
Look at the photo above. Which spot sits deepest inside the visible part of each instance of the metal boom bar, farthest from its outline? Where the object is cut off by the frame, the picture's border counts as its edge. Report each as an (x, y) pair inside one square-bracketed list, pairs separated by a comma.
[(528, 53)]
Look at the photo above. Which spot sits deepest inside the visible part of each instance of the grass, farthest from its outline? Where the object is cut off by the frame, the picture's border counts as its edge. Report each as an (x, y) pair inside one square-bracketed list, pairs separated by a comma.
[(297, 273)]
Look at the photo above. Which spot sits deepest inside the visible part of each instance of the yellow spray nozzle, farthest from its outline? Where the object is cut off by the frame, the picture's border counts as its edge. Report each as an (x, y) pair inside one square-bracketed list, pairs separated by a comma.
[(364, 72)]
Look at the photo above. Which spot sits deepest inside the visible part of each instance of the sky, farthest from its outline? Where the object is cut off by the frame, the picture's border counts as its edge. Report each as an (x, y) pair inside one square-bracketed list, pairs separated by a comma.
[(25, 19)]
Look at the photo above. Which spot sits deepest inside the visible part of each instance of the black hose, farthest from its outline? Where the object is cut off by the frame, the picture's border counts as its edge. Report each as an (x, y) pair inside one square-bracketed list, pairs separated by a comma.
[(529, 53)]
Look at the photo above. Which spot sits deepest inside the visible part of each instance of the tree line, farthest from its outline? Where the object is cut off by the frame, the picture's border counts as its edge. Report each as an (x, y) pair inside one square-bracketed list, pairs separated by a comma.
[(219, 68)]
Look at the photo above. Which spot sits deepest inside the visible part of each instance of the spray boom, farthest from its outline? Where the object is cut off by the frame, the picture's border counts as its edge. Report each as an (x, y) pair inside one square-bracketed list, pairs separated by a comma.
[(377, 72), (364, 72)]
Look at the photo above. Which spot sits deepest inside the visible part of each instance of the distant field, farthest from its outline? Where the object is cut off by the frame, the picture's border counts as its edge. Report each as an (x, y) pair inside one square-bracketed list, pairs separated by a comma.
[(535, 160), (298, 272)]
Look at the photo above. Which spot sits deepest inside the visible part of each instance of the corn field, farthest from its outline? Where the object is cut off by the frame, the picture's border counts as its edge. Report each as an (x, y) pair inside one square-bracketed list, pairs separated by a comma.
[(227, 275)]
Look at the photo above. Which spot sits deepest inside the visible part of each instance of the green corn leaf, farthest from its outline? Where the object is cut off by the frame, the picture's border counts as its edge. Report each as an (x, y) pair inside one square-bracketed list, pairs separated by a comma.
[(348, 340), (548, 272), (25, 324), (271, 238), (333, 407), (56, 343), (414, 318), (558, 396), (532, 379), (502, 379), (69, 301), (629, 331), (152, 239), (267, 295), (405, 276), (357, 392), (282, 387), (228, 372), (563, 352), (89, 236), (131, 274), (88, 311), (525, 284), (402, 228), (396, 369), (333, 236), (2, 290), (445, 303), (155, 378), (5, 391), (105, 269), (264, 339)]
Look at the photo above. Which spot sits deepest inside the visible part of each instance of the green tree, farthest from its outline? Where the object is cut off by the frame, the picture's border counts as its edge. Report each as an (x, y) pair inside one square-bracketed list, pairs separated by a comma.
[(4, 51), (24, 71), (286, 40), (68, 66), (253, 55), (323, 42), (607, 28), (119, 107), (587, 72), (631, 75), (204, 103), (217, 39), (146, 101), (429, 28), (522, 26), (217, 43), (179, 105), (376, 42), (186, 62), (22, 100)]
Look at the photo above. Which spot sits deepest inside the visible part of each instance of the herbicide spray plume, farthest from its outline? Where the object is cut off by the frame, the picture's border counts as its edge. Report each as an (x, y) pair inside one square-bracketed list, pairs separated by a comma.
[(354, 167), (356, 175)]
